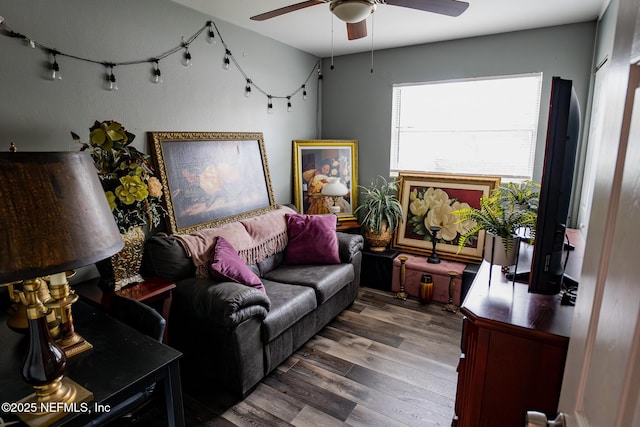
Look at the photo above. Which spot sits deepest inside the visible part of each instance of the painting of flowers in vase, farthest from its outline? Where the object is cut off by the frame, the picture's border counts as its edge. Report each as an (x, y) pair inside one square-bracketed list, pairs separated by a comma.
[(428, 202)]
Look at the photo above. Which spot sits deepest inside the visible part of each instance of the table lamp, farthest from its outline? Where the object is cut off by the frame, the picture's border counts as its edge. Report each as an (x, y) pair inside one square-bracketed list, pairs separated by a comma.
[(55, 218), (334, 189)]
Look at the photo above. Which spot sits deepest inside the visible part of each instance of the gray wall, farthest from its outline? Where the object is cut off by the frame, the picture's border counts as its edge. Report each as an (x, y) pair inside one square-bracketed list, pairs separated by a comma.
[(357, 104), (37, 114)]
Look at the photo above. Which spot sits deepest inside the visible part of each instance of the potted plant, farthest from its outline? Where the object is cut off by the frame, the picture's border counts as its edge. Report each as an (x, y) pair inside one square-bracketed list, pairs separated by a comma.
[(521, 195), (133, 193), (502, 220), (382, 213)]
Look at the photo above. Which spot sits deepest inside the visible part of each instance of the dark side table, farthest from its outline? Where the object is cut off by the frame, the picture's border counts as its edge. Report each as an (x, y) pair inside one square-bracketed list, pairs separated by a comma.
[(351, 226), (122, 363), (377, 268)]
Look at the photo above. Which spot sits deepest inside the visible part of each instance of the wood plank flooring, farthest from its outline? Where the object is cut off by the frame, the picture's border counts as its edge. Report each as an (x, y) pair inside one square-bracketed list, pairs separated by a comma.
[(381, 362)]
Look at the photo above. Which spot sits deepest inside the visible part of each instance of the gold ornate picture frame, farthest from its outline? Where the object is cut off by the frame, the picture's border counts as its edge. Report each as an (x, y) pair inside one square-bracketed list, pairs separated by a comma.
[(211, 178), (429, 199), (316, 160)]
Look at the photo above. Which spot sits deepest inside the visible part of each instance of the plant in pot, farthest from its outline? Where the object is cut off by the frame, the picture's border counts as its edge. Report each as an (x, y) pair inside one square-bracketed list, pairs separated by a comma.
[(523, 195), (133, 193), (502, 220), (382, 213)]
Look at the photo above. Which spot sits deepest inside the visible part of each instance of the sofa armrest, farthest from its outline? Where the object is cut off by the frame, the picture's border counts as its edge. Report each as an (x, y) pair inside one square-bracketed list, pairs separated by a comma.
[(349, 245), (224, 303)]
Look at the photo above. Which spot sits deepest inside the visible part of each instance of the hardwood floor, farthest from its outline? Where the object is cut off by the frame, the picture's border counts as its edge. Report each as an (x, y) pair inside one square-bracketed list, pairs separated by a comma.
[(382, 362)]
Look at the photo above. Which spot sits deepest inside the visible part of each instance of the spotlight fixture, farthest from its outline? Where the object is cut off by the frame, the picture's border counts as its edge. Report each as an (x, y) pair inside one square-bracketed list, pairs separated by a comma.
[(304, 92), (247, 89), (352, 11), (289, 106)]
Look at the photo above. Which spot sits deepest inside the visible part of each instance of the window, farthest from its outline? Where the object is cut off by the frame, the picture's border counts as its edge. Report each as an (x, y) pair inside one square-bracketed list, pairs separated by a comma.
[(481, 126)]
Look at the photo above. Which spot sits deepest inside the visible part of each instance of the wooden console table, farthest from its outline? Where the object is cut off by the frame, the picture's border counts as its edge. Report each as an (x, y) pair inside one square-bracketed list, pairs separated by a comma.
[(514, 346)]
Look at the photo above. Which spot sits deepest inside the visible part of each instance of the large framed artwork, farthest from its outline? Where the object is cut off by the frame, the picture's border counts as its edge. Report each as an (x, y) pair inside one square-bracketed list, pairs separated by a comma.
[(314, 161), (428, 200), (211, 178)]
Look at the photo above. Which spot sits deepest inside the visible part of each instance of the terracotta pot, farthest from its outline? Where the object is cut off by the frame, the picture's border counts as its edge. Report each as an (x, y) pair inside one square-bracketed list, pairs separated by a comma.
[(377, 242), (123, 268), (495, 250)]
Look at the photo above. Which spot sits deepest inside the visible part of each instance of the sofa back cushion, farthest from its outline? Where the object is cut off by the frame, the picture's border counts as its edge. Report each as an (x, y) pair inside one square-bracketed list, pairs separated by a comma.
[(269, 263), (165, 257)]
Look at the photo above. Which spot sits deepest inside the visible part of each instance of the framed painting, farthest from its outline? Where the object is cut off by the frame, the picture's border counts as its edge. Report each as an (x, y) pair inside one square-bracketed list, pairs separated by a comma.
[(211, 178), (314, 162), (428, 200)]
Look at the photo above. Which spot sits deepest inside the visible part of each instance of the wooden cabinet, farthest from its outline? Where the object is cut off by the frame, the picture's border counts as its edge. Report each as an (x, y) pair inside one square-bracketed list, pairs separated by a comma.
[(513, 351)]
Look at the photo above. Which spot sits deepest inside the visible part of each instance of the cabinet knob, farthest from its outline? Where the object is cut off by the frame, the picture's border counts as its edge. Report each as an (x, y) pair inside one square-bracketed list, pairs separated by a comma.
[(538, 419)]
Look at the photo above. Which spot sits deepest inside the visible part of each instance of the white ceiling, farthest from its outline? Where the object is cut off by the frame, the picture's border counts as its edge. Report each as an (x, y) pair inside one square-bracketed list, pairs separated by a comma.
[(310, 29)]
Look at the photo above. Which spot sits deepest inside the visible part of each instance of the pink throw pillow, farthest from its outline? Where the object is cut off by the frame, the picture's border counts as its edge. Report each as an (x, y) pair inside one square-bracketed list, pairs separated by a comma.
[(227, 265), (312, 239)]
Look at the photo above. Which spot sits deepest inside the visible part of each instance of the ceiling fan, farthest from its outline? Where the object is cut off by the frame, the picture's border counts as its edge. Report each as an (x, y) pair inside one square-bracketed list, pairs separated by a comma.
[(355, 12)]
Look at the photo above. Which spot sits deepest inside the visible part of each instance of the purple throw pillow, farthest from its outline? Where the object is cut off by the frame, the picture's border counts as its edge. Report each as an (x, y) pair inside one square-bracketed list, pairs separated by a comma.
[(227, 265), (312, 239)]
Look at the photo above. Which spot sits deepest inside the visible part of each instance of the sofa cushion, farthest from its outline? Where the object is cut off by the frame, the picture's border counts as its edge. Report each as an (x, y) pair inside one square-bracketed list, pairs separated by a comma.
[(289, 303), (270, 263), (312, 239), (325, 280), (165, 257), (227, 265)]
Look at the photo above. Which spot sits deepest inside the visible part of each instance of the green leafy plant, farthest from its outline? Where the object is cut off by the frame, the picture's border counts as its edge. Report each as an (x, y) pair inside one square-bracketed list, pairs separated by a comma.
[(496, 216), (126, 175), (523, 195), (380, 206)]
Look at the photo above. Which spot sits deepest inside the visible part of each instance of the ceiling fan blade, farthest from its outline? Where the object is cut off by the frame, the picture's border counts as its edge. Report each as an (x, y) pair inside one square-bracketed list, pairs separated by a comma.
[(442, 7), (357, 30), (286, 9)]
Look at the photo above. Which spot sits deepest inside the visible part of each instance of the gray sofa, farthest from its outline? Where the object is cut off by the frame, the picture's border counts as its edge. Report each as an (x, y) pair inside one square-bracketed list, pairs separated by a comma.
[(233, 335)]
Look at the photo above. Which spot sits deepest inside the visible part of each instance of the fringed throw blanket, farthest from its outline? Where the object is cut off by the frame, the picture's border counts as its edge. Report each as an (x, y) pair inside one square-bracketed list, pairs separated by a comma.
[(253, 238)]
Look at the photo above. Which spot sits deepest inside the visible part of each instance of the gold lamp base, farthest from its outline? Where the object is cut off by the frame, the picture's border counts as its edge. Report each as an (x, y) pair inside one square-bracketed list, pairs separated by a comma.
[(73, 345), (54, 401), (62, 297)]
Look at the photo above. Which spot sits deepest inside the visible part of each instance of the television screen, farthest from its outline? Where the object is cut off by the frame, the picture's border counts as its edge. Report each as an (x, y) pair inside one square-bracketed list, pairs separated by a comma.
[(563, 131)]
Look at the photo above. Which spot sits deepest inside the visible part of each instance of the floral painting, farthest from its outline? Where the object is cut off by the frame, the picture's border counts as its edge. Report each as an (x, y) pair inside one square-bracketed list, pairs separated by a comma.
[(315, 161), (428, 200), (211, 178)]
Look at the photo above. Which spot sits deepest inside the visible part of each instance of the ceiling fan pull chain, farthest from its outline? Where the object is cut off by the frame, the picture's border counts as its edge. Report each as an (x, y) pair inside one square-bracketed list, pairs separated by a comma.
[(332, 67), (373, 18)]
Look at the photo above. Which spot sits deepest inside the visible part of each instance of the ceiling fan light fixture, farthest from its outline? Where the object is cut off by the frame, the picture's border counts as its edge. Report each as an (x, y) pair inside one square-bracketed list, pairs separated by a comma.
[(352, 11)]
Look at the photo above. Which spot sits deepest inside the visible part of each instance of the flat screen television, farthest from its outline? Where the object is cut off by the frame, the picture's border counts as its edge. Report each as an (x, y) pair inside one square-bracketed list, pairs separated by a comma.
[(563, 131)]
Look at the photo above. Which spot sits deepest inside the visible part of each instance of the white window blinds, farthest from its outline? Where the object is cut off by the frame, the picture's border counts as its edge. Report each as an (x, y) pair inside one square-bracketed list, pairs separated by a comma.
[(482, 126)]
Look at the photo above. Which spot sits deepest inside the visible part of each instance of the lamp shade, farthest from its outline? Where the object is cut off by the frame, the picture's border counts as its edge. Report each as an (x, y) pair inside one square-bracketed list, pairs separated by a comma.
[(54, 215), (334, 188), (352, 11)]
